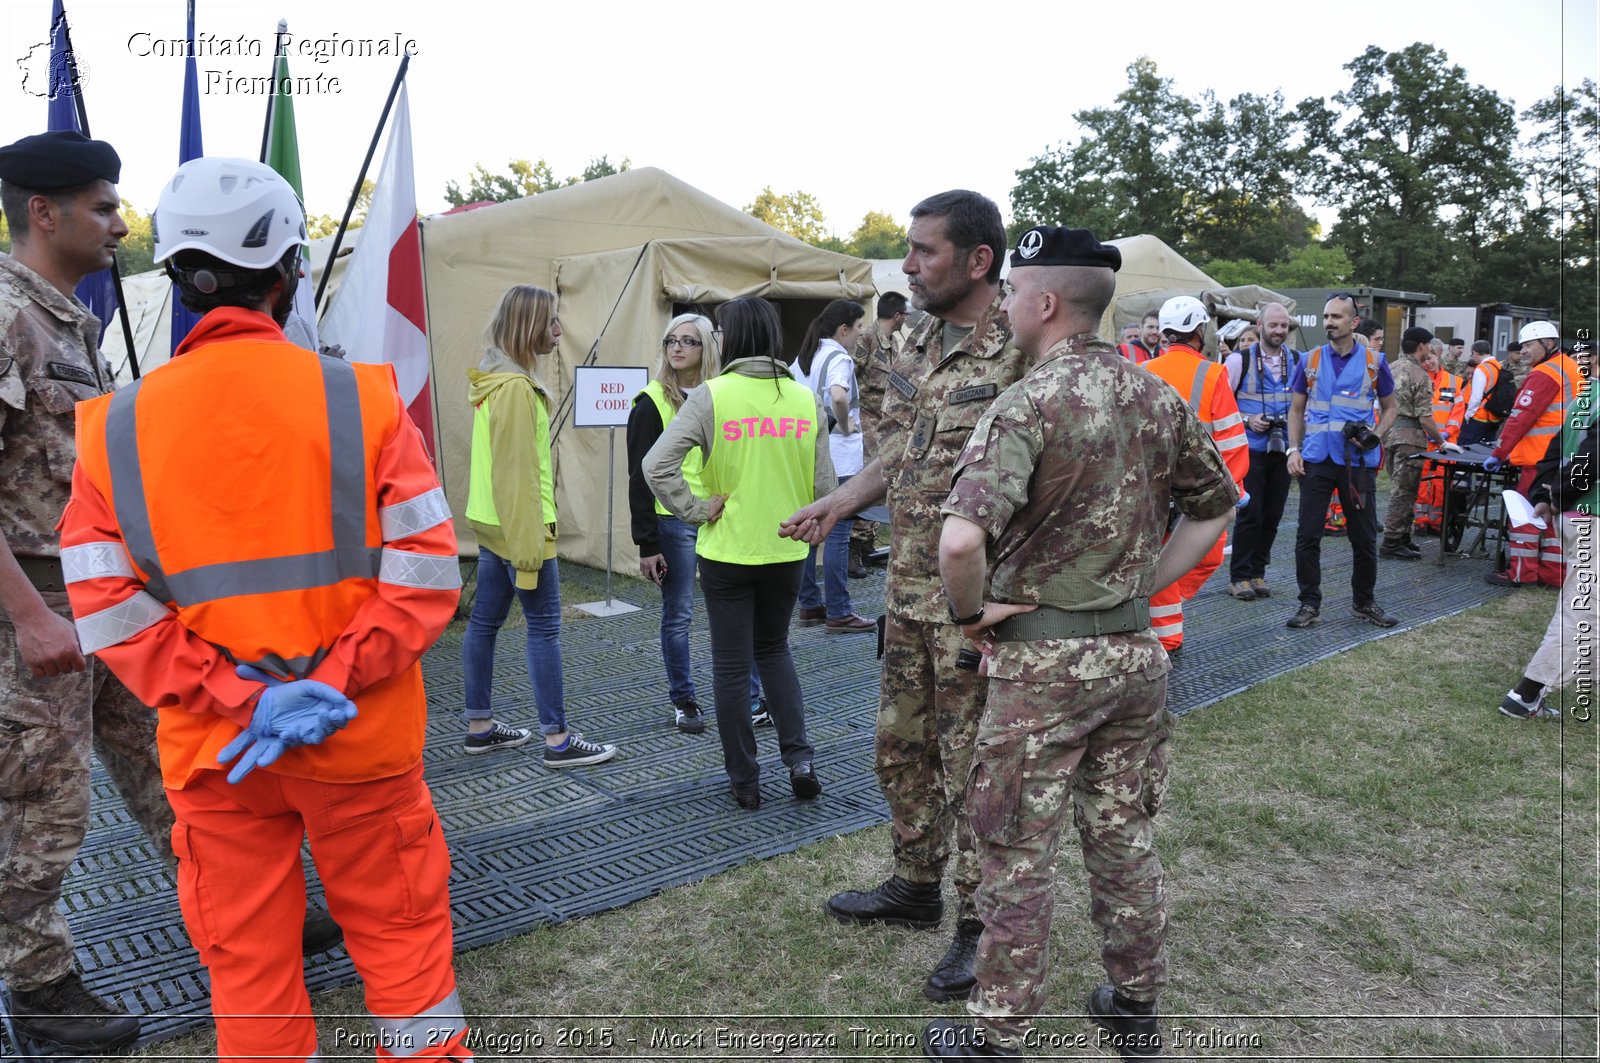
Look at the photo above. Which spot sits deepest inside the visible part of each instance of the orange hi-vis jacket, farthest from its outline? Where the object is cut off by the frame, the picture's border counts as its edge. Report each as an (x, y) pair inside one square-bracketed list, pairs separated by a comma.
[(253, 502), (1205, 385), (1491, 371), (1567, 378), (1449, 404)]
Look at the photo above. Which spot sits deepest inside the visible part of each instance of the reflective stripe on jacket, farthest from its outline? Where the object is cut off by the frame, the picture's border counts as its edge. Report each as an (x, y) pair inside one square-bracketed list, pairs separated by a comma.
[(1560, 367), (1332, 401), (1204, 386), (252, 502)]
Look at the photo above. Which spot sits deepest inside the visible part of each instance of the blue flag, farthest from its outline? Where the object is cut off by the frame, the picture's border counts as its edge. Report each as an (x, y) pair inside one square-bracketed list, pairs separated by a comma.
[(97, 291), (189, 147)]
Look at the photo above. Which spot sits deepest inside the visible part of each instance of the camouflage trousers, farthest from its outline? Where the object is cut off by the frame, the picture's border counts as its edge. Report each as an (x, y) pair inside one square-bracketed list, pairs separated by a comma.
[(864, 536), (1040, 745), (928, 713), (47, 727), (1405, 480)]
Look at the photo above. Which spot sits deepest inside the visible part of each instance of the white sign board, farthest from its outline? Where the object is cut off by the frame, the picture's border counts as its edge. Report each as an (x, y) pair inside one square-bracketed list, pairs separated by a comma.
[(602, 395)]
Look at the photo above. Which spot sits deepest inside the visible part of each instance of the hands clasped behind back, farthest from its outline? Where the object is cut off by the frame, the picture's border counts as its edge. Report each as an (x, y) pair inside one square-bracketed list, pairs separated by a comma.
[(301, 712)]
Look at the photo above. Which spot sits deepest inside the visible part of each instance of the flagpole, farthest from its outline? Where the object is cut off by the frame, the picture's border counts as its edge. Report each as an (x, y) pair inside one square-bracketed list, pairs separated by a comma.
[(116, 270), (266, 126), (355, 193)]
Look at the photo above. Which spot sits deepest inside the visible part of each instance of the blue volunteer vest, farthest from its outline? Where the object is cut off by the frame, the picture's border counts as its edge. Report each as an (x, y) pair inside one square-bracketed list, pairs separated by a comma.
[(1261, 394), (1332, 400)]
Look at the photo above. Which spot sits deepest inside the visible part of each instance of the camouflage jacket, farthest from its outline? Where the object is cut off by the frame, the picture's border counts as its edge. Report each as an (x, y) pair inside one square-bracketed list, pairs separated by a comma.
[(932, 401), (49, 360), (873, 353), (1413, 401), (1070, 473)]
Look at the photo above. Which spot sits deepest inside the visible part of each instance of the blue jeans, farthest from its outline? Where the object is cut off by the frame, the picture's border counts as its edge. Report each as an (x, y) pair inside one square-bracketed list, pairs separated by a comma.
[(835, 572), (542, 609), (677, 541)]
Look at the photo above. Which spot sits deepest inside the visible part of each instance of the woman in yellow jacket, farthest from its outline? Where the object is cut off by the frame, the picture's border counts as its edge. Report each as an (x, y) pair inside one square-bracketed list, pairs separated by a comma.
[(765, 444), (512, 509)]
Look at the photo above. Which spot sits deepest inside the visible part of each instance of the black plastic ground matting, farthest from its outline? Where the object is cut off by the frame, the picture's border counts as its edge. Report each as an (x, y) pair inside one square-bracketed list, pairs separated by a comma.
[(533, 846)]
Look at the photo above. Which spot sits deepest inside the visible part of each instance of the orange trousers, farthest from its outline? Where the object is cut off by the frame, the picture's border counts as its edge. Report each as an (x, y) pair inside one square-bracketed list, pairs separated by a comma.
[(1166, 607), (381, 855)]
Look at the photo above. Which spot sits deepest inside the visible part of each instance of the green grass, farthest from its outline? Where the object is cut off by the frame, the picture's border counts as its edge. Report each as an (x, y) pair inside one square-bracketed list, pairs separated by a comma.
[(1366, 861)]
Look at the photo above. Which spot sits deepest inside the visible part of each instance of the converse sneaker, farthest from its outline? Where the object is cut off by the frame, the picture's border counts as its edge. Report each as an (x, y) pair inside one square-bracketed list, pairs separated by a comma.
[(689, 719), (576, 752), (498, 736)]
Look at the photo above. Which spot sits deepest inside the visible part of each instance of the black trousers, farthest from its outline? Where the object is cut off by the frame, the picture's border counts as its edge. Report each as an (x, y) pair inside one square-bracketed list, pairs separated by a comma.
[(1317, 488), (1267, 484), (1476, 431), (748, 608)]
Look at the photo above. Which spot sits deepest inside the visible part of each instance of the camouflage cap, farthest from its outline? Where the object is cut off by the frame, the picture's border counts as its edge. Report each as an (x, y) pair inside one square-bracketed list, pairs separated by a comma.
[(61, 158), (1045, 245)]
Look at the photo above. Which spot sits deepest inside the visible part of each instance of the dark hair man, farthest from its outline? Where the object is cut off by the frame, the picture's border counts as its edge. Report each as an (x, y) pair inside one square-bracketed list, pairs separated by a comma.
[(1411, 430), (959, 357), (1330, 416), (257, 592), (1050, 549)]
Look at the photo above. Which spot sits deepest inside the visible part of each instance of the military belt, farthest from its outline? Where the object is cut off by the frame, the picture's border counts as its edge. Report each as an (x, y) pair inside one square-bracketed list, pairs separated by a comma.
[(43, 572), (1048, 622)]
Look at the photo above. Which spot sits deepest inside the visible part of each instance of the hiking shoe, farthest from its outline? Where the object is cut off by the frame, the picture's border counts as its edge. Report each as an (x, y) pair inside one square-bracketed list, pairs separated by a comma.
[(579, 751), (811, 616), (1399, 552), (1373, 613), (1259, 585), (1514, 707), (67, 1015), (846, 625), (1134, 1029), (759, 716), (498, 736), (1242, 590), (747, 798), (689, 718), (1307, 616)]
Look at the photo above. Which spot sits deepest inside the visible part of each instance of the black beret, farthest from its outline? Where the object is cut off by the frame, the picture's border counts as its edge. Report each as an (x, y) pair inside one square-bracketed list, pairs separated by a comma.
[(48, 162), (1416, 334), (1043, 245)]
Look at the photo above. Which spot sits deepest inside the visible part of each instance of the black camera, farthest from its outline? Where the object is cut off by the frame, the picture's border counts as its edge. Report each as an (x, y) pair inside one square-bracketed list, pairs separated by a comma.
[(1361, 434), (1277, 435)]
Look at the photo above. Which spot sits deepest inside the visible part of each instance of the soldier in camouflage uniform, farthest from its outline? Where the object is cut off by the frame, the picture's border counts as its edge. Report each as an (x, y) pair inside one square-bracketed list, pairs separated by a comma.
[(1065, 485), (874, 352), (954, 364), (1413, 428), (61, 204)]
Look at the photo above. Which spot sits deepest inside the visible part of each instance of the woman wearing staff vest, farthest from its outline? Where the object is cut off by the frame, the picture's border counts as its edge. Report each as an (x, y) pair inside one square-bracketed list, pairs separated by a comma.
[(690, 355), (825, 366), (765, 443), (511, 505), (1334, 388)]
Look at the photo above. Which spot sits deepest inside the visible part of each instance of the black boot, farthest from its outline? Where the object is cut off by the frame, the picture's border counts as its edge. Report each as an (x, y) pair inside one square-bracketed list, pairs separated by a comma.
[(319, 933), (953, 977), (1134, 1029), (944, 1039), (897, 901), (66, 1015)]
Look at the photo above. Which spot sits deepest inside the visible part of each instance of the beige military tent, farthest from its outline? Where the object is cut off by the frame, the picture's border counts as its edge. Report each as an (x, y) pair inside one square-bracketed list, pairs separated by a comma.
[(624, 254)]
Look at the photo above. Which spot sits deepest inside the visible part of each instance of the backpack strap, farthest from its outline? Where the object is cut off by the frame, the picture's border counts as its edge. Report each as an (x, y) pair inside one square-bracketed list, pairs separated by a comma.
[(855, 387)]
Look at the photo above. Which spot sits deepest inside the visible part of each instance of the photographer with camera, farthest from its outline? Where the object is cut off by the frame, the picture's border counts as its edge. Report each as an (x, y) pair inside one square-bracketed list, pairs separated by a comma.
[(1412, 429), (1259, 375), (1331, 417)]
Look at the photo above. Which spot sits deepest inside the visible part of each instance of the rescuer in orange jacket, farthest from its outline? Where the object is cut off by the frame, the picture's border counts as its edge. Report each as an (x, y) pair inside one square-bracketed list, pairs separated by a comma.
[(258, 547), (1205, 385)]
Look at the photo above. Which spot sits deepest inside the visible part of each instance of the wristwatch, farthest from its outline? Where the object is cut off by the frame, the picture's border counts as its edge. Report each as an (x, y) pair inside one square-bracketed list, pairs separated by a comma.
[(1291, 450), (964, 621)]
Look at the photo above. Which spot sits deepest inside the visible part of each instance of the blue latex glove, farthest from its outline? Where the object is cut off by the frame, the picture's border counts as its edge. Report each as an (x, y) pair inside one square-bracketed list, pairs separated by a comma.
[(1491, 463), (288, 714), (1244, 500)]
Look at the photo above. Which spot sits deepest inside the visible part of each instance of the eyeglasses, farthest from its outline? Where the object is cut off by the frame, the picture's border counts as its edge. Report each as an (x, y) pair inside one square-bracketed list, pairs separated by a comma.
[(688, 341)]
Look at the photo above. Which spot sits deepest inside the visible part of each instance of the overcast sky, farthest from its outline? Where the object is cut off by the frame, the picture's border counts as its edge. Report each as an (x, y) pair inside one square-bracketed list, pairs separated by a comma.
[(867, 106)]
